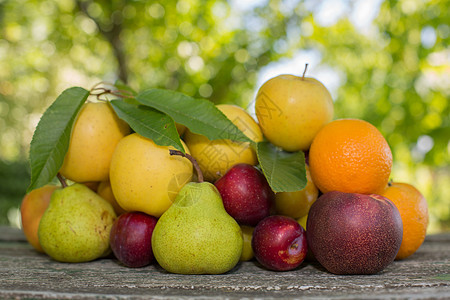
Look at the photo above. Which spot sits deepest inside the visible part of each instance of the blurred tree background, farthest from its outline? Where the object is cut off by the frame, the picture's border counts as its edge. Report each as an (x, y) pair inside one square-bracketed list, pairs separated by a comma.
[(384, 61)]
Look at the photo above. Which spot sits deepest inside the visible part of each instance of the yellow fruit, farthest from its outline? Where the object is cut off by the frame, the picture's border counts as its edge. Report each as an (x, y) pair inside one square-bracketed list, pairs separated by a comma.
[(181, 129), (95, 134), (291, 110), (104, 190), (93, 185), (302, 221), (350, 156), (32, 208), (145, 177), (216, 157), (413, 209), (297, 204), (247, 251)]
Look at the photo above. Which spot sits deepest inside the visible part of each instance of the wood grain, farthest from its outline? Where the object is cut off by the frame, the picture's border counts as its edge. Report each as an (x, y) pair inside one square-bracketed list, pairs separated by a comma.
[(25, 273)]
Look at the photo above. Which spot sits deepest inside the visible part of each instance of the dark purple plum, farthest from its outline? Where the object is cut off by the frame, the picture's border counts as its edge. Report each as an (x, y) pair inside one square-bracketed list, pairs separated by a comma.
[(279, 243), (131, 239)]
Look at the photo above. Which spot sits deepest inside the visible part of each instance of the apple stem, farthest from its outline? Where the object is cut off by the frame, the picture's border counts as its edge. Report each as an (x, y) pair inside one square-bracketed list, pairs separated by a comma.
[(304, 72), (193, 161), (62, 180)]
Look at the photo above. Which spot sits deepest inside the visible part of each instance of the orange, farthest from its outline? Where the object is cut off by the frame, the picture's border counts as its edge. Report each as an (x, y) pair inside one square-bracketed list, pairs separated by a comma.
[(413, 209), (352, 156)]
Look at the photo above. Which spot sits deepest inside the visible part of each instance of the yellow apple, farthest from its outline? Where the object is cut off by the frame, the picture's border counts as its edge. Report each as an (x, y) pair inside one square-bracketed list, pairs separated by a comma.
[(95, 134), (145, 177), (292, 109), (216, 157), (104, 190), (296, 204)]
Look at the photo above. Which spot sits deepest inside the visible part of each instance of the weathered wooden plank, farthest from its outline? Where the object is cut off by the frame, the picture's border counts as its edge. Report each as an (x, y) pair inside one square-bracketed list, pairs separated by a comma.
[(24, 273)]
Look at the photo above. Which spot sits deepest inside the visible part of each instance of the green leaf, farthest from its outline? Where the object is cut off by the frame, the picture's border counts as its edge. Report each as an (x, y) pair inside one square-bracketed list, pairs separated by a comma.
[(52, 136), (285, 171), (149, 123), (199, 115)]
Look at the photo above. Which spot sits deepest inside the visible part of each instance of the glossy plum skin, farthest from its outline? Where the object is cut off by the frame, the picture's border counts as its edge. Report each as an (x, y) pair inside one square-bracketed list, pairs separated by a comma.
[(279, 243), (352, 233), (131, 239), (246, 195)]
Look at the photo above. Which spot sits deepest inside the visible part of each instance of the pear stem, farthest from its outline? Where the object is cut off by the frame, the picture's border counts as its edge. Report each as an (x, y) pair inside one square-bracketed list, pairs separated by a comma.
[(193, 161), (62, 180), (304, 72)]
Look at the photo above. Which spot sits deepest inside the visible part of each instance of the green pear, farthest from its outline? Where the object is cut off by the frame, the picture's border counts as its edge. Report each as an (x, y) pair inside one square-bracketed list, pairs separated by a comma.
[(196, 235), (76, 225)]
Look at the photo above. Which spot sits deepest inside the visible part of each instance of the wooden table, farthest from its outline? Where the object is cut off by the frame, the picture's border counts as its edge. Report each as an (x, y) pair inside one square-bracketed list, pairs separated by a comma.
[(25, 273)]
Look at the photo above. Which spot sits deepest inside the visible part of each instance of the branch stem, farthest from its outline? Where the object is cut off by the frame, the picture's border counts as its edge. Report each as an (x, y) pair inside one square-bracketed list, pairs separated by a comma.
[(304, 72), (100, 91), (193, 161), (62, 180)]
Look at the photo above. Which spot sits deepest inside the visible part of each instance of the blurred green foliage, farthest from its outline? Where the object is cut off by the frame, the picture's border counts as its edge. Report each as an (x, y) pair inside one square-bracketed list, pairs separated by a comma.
[(14, 181), (394, 74)]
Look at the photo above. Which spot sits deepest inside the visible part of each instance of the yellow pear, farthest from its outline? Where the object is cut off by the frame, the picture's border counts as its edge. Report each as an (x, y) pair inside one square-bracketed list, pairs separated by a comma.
[(145, 177), (95, 134), (216, 157), (292, 109)]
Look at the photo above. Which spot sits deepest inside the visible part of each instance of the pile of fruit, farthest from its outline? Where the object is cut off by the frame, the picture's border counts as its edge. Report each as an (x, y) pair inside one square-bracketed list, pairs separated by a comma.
[(161, 177)]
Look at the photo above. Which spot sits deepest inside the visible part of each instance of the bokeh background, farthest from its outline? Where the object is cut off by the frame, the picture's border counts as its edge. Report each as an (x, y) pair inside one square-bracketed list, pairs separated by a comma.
[(384, 61)]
